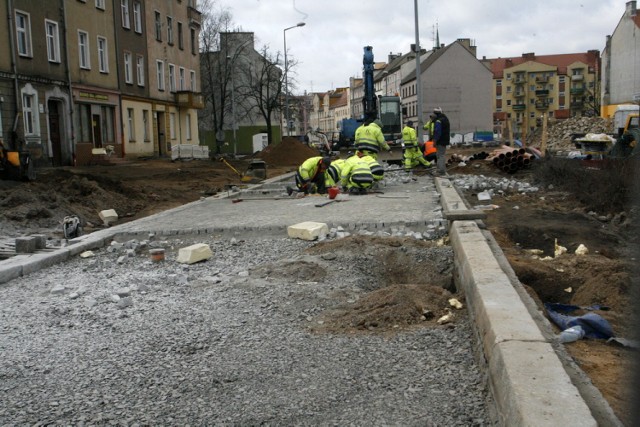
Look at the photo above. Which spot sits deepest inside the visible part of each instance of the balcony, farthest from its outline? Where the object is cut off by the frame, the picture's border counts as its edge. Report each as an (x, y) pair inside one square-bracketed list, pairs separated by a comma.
[(576, 90), (542, 79), (519, 107), (520, 80), (542, 105), (542, 92), (577, 103), (194, 16), (188, 99), (577, 77), (519, 94)]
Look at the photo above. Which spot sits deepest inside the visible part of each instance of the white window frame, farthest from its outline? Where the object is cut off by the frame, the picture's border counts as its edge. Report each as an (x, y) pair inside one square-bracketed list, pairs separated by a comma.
[(128, 68), (187, 118), (23, 33), (145, 126), (84, 50), (160, 74), (100, 4), (31, 119), (137, 17), (52, 32), (172, 125), (140, 69), (194, 82), (170, 30), (172, 78), (131, 123), (124, 8), (182, 84), (103, 54)]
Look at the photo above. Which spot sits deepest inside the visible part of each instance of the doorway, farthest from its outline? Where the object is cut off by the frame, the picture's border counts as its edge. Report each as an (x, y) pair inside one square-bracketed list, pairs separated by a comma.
[(97, 132), (162, 138), (53, 107)]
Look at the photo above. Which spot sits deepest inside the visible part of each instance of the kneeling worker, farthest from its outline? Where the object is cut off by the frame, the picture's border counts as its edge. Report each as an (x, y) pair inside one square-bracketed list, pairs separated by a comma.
[(412, 153), (356, 176), (310, 177)]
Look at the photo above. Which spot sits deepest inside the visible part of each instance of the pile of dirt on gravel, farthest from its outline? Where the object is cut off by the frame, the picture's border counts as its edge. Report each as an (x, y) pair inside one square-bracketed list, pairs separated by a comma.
[(290, 152)]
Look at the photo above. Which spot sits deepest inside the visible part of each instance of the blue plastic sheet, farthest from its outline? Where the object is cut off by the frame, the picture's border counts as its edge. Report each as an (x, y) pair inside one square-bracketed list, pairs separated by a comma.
[(594, 325)]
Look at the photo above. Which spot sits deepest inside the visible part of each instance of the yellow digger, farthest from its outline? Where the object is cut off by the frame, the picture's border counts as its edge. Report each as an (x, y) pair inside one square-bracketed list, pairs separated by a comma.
[(16, 164)]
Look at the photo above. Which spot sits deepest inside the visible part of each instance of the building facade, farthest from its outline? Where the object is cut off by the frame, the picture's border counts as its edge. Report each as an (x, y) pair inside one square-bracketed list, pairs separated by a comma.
[(621, 63), (528, 87), (75, 78)]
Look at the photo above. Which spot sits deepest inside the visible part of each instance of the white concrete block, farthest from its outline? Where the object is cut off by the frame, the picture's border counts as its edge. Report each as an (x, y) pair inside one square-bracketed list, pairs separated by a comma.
[(108, 216), (194, 253), (308, 230)]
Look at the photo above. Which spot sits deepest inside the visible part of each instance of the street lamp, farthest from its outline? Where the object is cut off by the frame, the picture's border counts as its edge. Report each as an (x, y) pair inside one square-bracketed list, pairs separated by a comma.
[(286, 82), (233, 109)]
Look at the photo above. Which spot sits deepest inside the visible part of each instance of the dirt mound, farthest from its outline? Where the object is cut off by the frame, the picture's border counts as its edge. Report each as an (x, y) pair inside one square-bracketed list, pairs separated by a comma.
[(290, 152)]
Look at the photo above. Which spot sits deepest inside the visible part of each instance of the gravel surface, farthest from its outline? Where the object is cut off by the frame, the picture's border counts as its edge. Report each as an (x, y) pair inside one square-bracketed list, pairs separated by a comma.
[(117, 339)]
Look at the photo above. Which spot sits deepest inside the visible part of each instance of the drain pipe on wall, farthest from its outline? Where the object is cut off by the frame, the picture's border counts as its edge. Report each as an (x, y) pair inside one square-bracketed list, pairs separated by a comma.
[(68, 72), (14, 70)]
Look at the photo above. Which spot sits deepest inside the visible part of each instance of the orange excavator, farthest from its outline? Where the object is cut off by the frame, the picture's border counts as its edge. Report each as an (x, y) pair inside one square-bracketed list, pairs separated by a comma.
[(15, 164)]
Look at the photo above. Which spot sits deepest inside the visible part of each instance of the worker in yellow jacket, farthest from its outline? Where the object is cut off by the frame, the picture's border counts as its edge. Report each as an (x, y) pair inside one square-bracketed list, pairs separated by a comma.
[(310, 177), (356, 175), (370, 140), (412, 154), (376, 169), (333, 173)]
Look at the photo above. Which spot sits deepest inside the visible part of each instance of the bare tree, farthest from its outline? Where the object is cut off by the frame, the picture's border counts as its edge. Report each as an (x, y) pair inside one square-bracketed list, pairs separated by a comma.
[(264, 87), (215, 70)]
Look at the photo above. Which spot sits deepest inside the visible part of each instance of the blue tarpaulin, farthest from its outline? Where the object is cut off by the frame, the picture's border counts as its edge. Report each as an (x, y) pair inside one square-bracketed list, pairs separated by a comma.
[(594, 325)]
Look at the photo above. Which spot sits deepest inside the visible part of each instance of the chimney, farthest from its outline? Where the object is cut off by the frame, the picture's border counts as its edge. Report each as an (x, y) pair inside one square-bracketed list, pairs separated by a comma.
[(631, 8), (529, 56)]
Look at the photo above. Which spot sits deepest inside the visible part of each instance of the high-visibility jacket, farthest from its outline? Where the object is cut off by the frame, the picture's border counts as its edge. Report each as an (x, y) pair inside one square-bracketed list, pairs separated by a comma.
[(429, 148), (332, 175), (409, 137), (429, 127), (309, 170), (370, 140), (376, 169), (356, 173)]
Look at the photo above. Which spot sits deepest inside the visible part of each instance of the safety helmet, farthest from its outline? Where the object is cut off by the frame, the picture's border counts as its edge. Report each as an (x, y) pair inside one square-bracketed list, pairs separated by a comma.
[(437, 110), (409, 123), (326, 161), (378, 122)]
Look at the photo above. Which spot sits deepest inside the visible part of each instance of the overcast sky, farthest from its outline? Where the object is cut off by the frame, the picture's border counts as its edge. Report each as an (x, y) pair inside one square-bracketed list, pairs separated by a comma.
[(329, 48)]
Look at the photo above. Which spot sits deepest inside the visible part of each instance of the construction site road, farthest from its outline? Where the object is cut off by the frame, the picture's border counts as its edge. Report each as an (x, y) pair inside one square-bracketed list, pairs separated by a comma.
[(279, 331)]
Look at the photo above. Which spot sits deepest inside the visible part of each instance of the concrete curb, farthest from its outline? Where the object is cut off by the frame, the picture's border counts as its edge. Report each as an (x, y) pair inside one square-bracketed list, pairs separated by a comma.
[(528, 380)]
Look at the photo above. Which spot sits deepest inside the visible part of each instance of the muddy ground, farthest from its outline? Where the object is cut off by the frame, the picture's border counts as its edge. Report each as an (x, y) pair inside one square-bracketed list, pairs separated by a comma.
[(520, 223)]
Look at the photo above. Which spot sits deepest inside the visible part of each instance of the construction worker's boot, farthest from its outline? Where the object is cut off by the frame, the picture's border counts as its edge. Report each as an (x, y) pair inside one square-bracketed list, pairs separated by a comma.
[(289, 190)]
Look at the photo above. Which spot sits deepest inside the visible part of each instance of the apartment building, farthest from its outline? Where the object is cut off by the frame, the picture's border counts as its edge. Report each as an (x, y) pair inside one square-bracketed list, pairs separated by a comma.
[(35, 104), (76, 77), (528, 87), (173, 29)]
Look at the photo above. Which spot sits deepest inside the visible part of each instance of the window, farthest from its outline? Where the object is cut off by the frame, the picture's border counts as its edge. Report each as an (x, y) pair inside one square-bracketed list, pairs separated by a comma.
[(188, 126), (124, 5), (560, 79), (193, 41), (137, 17), (145, 124), (160, 74), (29, 114), (53, 40), (23, 34), (181, 76), (84, 122), (158, 27), (508, 76), (103, 55), (107, 124), (131, 125), (169, 30), (172, 125), (172, 78), (193, 81), (140, 69), (100, 4), (180, 36), (83, 50), (498, 82), (128, 68)]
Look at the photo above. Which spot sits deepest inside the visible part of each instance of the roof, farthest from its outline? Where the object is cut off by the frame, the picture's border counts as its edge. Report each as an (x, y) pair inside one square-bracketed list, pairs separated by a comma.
[(561, 61)]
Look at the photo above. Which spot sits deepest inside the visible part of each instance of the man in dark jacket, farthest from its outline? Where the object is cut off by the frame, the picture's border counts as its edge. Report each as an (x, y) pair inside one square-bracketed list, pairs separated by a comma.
[(442, 138)]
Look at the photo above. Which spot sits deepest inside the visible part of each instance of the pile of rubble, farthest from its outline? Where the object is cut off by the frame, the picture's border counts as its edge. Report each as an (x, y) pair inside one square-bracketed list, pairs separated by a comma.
[(560, 132)]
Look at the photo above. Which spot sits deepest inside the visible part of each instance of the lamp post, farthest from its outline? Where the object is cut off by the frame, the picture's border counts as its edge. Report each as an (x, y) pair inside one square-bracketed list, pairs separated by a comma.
[(286, 82), (418, 76)]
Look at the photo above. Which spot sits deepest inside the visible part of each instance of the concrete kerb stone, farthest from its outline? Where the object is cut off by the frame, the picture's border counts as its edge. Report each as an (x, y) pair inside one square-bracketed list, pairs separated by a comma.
[(10, 269), (529, 383), (39, 261)]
